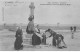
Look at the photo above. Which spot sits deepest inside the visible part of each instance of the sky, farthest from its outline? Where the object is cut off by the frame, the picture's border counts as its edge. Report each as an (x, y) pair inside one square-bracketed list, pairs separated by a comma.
[(43, 14)]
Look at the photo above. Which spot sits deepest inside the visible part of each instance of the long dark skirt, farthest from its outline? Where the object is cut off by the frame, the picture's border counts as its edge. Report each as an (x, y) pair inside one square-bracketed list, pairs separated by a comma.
[(18, 43), (44, 39), (36, 40), (54, 42)]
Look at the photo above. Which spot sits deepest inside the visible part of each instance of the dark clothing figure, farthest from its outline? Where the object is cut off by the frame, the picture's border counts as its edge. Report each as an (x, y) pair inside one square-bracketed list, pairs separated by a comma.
[(30, 28), (18, 42), (54, 42), (36, 40), (71, 28), (74, 28), (44, 39), (29, 32)]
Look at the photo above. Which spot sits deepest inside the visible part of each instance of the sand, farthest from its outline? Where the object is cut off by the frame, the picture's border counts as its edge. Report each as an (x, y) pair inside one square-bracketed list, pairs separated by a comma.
[(7, 39)]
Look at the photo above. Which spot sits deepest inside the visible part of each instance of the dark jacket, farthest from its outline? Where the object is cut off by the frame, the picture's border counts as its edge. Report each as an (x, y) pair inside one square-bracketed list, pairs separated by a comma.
[(30, 27)]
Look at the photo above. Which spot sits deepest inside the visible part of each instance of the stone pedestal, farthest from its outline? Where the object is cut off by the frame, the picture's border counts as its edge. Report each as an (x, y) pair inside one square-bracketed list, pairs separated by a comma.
[(27, 39)]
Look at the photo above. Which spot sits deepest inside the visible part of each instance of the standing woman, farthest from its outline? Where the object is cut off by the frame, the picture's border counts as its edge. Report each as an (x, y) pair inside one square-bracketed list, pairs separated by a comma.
[(30, 28), (53, 33), (71, 28), (18, 42), (74, 28)]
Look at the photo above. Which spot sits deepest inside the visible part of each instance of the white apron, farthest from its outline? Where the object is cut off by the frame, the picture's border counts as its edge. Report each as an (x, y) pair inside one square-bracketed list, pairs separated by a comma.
[(49, 39)]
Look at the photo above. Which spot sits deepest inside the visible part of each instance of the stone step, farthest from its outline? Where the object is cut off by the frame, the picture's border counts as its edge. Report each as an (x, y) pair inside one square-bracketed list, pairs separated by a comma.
[(27, 36), (26, 44), (27, 41)]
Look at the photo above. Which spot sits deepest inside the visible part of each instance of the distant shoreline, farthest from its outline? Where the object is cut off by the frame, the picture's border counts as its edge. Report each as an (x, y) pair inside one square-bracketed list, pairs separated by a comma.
[(12, 27)]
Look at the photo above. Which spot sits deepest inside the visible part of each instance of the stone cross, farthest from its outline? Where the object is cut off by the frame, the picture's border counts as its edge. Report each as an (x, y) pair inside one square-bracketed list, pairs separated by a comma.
[(32, 7)]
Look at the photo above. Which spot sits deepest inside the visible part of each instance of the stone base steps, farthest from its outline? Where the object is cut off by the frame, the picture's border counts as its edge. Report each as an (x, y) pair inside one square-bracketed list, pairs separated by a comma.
[(27, 41)]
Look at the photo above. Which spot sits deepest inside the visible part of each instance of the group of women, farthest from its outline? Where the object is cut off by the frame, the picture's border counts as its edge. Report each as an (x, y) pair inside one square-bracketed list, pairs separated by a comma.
[(36, 37)]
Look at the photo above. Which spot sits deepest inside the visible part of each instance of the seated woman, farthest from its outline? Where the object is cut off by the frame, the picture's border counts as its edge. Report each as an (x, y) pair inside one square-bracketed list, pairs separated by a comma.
[(36, 37), (18, 42)]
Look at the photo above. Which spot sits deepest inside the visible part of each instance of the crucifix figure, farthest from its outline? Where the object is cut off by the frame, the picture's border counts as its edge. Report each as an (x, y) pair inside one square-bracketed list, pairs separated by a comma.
[(32, 7)]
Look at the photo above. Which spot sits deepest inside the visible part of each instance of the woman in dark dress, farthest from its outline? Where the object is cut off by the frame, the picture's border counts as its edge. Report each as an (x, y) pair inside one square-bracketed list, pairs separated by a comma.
[(74, 28), (71, 28), (18, 42), (36, 38)]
